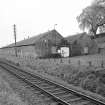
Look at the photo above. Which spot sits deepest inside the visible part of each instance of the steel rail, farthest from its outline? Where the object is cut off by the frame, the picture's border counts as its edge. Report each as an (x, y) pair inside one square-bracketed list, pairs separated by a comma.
[(36, 86)]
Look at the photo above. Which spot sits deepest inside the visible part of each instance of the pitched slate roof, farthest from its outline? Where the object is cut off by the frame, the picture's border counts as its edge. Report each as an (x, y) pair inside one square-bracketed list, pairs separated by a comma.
[(34, 39), (72, 38)]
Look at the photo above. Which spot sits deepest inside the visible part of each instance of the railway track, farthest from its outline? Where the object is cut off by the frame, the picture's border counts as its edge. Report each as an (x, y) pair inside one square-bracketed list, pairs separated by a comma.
[(58, 93)]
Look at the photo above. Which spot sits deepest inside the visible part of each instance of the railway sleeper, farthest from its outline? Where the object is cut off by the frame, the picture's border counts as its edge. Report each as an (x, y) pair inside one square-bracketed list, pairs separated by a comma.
[(45, 85), (57, 90), (67, 98), (34, 81), (60, 93), (41, 82), (31, 78), (50, 88)]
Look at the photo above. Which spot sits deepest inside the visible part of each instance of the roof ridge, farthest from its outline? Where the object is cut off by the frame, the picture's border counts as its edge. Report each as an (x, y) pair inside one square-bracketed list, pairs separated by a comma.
[(33, 39)]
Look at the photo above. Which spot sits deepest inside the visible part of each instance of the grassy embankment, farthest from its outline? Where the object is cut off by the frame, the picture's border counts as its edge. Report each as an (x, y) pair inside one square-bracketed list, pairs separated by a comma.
[(87, 72)]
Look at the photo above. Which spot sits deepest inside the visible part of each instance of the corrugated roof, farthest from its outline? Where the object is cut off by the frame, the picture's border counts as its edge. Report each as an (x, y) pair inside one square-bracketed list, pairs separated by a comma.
[(33, 39)]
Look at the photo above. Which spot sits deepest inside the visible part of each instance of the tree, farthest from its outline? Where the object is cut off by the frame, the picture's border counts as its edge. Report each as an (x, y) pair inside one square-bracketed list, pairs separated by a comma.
[(92, 17), (102, 29), (98, 2)]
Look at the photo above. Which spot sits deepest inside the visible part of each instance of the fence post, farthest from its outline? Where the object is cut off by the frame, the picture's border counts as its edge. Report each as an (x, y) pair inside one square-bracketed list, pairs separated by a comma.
[(90, 63), (79, 63), (55, 60), (102, 64), (49, 59), (69, 61), (61, 61)]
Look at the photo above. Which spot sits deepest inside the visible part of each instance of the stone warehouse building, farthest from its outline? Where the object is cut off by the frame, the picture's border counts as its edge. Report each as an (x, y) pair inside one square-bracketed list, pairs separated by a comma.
[(38, 46)]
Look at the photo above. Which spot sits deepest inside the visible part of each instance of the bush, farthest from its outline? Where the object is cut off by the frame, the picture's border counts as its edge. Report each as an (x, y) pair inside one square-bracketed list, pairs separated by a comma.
[(101, 90), (89, 85)]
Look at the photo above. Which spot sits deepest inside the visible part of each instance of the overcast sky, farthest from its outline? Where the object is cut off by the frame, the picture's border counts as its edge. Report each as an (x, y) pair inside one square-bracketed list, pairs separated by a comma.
[(33, 17)]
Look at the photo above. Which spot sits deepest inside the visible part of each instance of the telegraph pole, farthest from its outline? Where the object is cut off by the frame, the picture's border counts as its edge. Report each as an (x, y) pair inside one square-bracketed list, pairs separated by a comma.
[(14, 27)]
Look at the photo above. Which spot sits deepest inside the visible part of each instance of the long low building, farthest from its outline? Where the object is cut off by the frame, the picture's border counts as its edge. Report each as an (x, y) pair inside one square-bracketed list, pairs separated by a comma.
[(42, 45)]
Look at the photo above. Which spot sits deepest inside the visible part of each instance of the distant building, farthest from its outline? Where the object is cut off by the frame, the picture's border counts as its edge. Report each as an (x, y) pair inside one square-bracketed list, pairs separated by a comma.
[(82, 44), (100, 40), (42, 45)]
